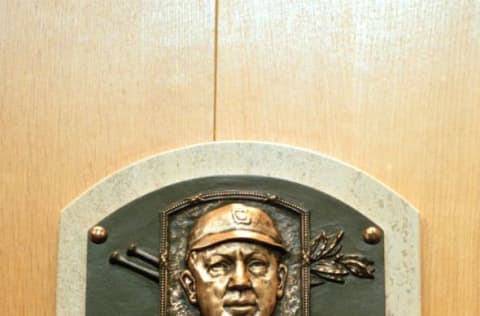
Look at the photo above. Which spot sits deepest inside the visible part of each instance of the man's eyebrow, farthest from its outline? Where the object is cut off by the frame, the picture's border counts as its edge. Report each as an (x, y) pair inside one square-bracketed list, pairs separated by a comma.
[(256, 254), (223, 255)]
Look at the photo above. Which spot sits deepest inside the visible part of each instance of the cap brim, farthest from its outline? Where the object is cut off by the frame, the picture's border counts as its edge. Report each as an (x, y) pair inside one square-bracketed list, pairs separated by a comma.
[(214, 239)]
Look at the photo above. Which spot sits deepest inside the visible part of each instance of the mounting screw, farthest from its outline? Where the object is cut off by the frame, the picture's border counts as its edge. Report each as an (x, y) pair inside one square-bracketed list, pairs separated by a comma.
[(372, 235), (98, 234)]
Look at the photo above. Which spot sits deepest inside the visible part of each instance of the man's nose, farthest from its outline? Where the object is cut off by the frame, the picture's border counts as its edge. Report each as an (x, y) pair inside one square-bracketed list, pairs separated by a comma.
[(240, 279)]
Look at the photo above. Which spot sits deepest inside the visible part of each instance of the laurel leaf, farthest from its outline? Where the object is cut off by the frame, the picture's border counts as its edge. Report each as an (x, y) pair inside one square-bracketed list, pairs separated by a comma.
[(332, 244), (320, 244), (330, 277), (358, 268), (358, 257), (331, 269)]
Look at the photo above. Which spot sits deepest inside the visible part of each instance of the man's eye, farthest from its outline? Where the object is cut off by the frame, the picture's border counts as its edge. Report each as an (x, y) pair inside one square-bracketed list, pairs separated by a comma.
[(257, 266), (219, 267)]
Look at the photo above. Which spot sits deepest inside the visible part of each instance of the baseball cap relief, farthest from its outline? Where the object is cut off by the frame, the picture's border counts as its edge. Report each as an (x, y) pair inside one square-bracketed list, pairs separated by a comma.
[(234, 222)]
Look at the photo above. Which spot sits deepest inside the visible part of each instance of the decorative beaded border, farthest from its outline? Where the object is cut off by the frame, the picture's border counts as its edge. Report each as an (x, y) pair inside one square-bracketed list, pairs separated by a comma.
[(234, 195)]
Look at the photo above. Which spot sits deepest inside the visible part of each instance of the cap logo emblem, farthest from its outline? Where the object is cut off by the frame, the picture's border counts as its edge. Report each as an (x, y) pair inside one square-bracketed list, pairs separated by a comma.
[(241, 216)]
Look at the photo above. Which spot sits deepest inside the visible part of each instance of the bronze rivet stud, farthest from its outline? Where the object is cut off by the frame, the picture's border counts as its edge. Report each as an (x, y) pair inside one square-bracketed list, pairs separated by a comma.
[(372, 235), (98, 234)]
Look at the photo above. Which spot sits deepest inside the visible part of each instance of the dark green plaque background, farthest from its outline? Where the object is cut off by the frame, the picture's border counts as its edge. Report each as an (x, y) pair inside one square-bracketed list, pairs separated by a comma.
[(113, 290)]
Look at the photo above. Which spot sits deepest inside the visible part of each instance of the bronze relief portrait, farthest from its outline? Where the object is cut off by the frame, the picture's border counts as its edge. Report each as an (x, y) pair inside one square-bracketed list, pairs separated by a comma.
[(230, 257), (234, 263)]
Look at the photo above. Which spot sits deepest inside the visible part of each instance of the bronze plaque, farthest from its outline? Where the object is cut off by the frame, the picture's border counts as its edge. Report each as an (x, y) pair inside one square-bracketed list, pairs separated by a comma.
[(236, 245)]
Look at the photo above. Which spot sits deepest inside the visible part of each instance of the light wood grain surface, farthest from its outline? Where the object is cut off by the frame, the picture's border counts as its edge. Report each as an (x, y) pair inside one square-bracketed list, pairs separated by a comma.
[(86, 88), (392, 88)]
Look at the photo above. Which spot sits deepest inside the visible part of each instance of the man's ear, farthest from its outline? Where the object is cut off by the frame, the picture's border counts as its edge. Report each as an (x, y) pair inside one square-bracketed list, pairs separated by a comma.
[(282, 279), (188, 283)]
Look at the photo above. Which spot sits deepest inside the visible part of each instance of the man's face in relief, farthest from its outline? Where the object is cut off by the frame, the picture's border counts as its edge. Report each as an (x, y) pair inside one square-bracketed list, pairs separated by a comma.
[(233, 265), (235, 278)]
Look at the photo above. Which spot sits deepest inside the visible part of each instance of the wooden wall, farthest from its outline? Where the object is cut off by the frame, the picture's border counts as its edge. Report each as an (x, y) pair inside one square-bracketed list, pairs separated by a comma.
[(392, 87)]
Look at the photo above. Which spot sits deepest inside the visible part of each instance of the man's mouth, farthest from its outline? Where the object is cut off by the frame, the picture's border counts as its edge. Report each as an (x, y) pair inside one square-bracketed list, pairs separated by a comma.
[(239, 303), (240, 308)]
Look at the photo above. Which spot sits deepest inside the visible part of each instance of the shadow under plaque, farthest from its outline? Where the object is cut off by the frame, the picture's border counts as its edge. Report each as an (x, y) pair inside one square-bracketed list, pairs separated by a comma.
[(332, 270)]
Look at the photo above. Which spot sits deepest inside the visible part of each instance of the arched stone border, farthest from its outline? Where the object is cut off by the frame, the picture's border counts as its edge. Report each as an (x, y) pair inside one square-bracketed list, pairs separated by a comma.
[(399, 219)]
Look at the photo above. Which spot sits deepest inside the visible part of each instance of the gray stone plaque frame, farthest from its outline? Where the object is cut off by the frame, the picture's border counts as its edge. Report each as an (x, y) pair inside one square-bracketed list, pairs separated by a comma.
[(399, 220)]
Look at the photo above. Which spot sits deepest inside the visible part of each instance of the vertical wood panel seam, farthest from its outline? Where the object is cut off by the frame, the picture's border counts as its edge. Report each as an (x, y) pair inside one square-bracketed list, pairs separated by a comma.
[(215, 71)]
